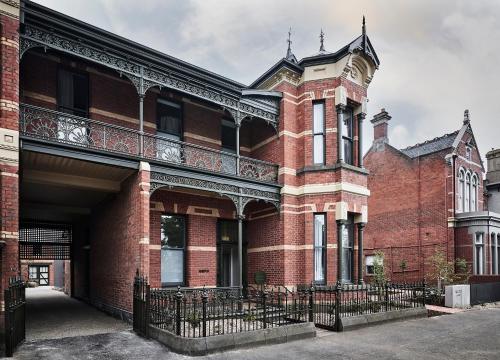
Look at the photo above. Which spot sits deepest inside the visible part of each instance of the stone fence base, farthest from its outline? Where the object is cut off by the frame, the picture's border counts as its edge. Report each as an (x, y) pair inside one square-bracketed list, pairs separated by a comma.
[(354, 322), (210, 344)]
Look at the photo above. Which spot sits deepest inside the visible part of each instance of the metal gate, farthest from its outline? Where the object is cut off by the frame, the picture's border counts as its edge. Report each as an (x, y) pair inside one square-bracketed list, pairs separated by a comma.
[(141, 305), (44, 241), (15, 315)]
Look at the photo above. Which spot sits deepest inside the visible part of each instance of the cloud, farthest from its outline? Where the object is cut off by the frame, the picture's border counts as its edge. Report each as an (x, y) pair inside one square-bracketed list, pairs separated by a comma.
[(437, 57)]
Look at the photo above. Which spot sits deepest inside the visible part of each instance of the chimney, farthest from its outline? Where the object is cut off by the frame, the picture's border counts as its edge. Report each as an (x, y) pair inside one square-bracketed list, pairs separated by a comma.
[(380, 126)]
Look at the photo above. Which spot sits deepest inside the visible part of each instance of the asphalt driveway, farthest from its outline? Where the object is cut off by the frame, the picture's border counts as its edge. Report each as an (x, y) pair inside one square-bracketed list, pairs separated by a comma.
[(471, 334), (52, 314)]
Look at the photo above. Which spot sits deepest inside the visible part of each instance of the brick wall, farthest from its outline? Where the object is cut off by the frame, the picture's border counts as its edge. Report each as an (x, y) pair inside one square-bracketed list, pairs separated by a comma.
[(114, 100), (9, 165), (117, 245)]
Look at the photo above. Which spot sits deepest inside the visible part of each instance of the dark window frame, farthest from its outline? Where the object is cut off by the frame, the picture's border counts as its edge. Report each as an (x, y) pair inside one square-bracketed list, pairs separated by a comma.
[(349, 226), (324, 249), (233, 127), (184, 250), (181, 107), (220, 243), (349, 110), (322, 134), (60, 107)]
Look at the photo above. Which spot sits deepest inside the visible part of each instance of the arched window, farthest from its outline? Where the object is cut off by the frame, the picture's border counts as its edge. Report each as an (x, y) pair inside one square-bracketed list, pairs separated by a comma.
[(467, 193), (461, 187), (473, 198)]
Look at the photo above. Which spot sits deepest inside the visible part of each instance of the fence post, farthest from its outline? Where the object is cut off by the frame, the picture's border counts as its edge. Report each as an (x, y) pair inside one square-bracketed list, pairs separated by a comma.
[(264, 310), (204, 300), (147, 315), (311, 303), (424, 285), (338, 293), (178, 300), (8, 326), (386, 286)]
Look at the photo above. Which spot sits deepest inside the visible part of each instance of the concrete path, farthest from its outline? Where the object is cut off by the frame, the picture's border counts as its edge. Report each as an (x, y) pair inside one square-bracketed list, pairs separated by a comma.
[(470, 334), (51, 314)]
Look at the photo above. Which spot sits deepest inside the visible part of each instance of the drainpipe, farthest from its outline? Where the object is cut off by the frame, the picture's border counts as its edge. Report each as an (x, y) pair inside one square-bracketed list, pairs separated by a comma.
[(454, 202)]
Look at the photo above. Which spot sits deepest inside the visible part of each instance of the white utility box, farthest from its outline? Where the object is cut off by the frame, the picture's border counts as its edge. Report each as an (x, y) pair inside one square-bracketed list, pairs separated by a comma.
[(457, 296)]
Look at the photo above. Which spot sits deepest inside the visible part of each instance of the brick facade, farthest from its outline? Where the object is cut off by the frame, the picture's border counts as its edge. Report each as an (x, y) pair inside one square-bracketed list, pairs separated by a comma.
[(9, 141), (117, 220), (414, 200)]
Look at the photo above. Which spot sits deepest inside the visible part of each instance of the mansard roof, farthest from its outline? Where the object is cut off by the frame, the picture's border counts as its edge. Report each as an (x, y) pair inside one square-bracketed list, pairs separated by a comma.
[(431, 146), (361, 44)]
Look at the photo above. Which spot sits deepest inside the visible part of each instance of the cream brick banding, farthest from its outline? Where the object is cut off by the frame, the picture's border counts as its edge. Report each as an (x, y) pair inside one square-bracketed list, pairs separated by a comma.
[(324, 188), (8, 42), (9, 105), (286, 248), (202, 248)]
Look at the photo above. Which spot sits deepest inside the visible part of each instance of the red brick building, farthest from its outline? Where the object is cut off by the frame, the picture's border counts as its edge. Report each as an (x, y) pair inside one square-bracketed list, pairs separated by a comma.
[(158, 166), (426, 198)]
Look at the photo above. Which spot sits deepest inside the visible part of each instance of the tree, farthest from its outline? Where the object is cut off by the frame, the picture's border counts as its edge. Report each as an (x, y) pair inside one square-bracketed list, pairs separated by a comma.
[(443, 271)]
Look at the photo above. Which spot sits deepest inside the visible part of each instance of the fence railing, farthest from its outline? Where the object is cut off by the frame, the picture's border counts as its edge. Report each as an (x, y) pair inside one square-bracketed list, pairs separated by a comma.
[(207, 312), (15, 314), (59, 127)]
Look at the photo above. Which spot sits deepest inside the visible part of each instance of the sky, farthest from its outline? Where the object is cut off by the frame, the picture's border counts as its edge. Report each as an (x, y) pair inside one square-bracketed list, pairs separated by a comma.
[(438, 58)]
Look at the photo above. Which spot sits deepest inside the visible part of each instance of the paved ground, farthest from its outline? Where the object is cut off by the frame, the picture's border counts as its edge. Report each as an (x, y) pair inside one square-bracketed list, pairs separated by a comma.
[(51, 314), (473, 334)]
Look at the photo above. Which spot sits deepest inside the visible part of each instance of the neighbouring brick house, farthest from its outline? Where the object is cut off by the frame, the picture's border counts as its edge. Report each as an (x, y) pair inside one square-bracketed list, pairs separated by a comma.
[(162, 167), (426, 198)]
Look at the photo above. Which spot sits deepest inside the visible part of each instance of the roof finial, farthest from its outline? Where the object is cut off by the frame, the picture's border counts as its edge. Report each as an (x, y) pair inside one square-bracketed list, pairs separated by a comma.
[(466, 117), (364, 26), (289, 55), (289, 41), (321, 41)]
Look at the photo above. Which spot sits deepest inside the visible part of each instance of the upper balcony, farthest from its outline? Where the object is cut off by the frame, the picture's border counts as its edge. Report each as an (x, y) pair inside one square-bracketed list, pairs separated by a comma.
[(60, 128), (87, 89)]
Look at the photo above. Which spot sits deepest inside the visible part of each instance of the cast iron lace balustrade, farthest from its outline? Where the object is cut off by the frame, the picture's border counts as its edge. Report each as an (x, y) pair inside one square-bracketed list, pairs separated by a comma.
[(53, 126)]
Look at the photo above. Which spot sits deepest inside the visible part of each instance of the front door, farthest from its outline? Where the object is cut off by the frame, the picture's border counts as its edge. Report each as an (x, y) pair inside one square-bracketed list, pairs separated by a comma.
[(228, 267), (39, 274)]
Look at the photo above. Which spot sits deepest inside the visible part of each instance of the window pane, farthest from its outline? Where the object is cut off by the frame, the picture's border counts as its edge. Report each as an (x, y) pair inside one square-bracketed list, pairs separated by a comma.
[(319, 265), (172, 232), (81, 93), (347, 123), (348, 158), (319, 248), (169, 117), (318, 118), (228, 137), (172, 266), (318, 149), (229, 231), (319, 230)]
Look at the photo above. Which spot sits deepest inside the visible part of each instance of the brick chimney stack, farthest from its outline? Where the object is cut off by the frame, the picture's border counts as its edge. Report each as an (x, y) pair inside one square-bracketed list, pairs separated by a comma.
[(380, 126)]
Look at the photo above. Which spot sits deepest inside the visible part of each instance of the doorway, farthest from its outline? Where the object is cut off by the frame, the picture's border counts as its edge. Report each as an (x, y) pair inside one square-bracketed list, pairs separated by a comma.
[(39, 274), (228, 268)]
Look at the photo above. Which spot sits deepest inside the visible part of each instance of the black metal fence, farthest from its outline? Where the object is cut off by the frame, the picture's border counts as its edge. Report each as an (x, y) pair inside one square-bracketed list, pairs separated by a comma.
[(15, 314), (141, 306), (332, 303), (215, 311)]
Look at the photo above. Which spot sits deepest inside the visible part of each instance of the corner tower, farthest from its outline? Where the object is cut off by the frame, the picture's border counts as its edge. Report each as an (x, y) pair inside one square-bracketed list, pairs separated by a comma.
[(324, 184)]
